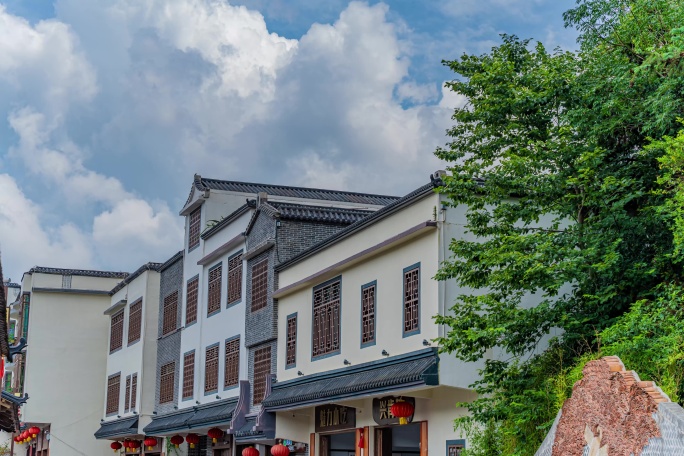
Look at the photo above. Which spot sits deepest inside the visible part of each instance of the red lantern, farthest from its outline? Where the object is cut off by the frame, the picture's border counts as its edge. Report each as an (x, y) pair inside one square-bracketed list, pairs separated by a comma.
[(116, 446), (280, 450), (25, 436), (402, 410), (192, 439), (250, 451), (34, 431), (176, 440), (215, 434), (150, 442), (134, 444)]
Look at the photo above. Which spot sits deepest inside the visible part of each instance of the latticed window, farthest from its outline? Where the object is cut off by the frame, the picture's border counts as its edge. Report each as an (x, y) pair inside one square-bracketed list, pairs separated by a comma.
[(211, 365), (188, 375), (116, 331), (170, 313), (260, 285), (113, 390), (368, 314), (291, 342), (235, 279), (326, 316), (127, 395), (214, 292), (194, 228), (191, 301), (232, 368), (134, 321), (134, 390), (166, 377), (411, 299), (262, 368)]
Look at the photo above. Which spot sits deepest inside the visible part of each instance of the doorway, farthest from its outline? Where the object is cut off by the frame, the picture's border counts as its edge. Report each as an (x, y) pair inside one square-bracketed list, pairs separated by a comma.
[(398, 440), (341, 444)]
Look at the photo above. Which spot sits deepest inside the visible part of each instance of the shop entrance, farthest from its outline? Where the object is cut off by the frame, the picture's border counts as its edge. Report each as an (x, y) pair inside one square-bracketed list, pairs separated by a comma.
[(341, 444), (398, 440)]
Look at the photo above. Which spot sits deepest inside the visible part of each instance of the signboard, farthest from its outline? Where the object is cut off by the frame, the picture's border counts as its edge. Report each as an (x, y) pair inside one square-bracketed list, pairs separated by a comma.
[(332, 417), (382, 413)]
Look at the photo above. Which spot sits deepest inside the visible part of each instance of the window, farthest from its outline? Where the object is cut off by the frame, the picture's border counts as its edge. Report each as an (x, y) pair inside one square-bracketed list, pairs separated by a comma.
[(368, 314), (66, 281), (326, 319), (188, 375), (134, 390), (8, 382), (134, 321), (166, 377), (113, 385), (231, 374), (194, 228), (262, 368), (214, 292), (170, 313), (412, 300), (127, 395), (26, 301), (191, 300), (291, 342), (116, 332), (235, 279), (211, 365), (260, 285), (12, 330)]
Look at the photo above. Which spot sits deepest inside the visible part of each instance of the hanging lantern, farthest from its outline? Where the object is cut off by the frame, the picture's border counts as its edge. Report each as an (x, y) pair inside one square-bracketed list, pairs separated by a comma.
[(25, 436), (176, 440), (280, 450), (362, 441), (116, 446), (215, 434), (402, 410), (250, 451), (134, 445), (34, 431), (192, 439), (150, 442)]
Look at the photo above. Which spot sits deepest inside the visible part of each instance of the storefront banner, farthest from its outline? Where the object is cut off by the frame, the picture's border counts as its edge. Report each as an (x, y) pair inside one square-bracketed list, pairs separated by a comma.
[(332, 417), (382, 413)]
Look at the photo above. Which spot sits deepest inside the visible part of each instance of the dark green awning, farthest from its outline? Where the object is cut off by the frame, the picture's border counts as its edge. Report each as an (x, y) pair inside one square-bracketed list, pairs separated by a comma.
[(213, 413), (169, 422)]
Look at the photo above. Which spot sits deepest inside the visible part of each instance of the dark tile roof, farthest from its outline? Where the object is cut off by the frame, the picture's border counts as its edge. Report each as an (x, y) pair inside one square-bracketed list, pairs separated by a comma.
[(12, 285), (228, 219), (202, 184), (122, 427), (397, 372), (169, 422), (78, 272), (136, 274), (171, 261), (289, 211), (376, 216), (213, 413), (246, 432)]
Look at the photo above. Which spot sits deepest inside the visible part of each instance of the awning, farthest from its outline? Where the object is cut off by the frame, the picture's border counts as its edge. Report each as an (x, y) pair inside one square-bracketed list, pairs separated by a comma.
[(213, 413), (9, 412), (116, 428), (176, 421), (246, 432), (413, 369)]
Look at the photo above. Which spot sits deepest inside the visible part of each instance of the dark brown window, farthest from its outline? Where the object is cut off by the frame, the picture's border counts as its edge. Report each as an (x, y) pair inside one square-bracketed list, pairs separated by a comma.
[(231, 374), (235, 279), (113, 390), (134, 321), (170, 313), (116, 332), (194, 229), (191, 301), (134, 390), (188, 375), (127, 395), (412, 299), (214, 292), (211, 365), (368, 314), (262, 368), (166, 377), (291, 343), (326, 316), (260, 285)]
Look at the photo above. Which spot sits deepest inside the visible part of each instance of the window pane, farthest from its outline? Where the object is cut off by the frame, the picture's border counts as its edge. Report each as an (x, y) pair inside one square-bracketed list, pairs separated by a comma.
[(326, 314), (214, 292), (166, 378), (194, 229), (232, 368), (262, 368), (135, 321), (116, 331), (411, 300), (260, 285), (170, 313), (113, 389), (235, 279), (191, 301), (188, 375), (291, 355), (211, 369), (368, 314)]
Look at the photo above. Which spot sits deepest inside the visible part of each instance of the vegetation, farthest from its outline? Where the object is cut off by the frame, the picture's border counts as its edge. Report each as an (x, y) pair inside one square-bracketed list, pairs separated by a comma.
[(572, 168)]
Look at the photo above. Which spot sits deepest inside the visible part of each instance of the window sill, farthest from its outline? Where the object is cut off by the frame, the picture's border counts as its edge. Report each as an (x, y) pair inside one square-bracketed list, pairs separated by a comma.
[(327, 355)]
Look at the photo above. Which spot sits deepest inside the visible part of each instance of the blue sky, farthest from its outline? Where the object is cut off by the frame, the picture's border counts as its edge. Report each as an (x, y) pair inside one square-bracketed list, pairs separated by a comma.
[(108, 107)]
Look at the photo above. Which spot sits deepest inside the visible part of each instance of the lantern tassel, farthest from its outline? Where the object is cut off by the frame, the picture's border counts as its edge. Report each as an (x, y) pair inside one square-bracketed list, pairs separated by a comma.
[(192, 445), (214, 440), (403, 420)]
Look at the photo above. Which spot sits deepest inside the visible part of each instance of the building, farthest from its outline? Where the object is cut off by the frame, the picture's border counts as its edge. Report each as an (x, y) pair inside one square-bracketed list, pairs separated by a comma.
[(65, 359), (224, 315), (355, 336), (130, 380), (11, 381)]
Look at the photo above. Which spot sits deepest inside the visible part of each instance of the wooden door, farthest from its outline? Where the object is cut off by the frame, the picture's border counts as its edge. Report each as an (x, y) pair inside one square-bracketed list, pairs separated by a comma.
[(383, 442)]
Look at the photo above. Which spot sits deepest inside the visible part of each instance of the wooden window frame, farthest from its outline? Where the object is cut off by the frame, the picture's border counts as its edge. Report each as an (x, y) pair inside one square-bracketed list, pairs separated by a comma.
[(259, 285), (231, 367), (135, 322), (211, 369), (259, 376), (134, 391), (234, 286), (188, 391), (214, 280), (411, 306), (325, 343), (170, 313), (167, 378), (127, 395), (116, 330), (369, 313), (194, 228), (113, 393), (291, 341), (191, 300)]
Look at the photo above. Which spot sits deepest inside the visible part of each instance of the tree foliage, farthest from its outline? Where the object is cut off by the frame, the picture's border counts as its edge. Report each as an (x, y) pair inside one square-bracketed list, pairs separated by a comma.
[(571, 165)]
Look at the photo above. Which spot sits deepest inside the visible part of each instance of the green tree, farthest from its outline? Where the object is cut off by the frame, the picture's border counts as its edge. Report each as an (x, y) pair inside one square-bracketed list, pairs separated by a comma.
[(566, 203)]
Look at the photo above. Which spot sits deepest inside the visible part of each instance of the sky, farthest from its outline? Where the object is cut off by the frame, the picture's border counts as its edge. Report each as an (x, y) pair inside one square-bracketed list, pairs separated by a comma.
[(108, 108)]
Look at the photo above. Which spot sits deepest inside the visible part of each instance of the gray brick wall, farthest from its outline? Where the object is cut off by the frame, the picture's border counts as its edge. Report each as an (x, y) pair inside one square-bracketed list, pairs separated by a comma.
[(168, 347), (295, 236)]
